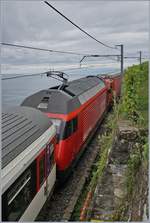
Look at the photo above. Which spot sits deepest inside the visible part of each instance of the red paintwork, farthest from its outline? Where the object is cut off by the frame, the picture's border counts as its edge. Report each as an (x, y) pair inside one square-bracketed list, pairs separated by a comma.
[(38, 169), (43, 153), (108, 83), (117, 85), (88, 115), (71, 115), (116, 81)]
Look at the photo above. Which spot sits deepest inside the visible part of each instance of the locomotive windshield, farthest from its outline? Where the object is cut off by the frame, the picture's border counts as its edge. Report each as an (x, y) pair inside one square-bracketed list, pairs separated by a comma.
[(57, 123)]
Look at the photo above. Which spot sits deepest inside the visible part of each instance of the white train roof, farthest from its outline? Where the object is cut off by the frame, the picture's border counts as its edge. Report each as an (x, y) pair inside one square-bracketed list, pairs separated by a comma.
[(25, 132), (20, 127)]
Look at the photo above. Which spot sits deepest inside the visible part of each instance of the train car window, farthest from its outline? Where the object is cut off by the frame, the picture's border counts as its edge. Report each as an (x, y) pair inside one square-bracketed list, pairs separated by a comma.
[(19, 194), (42, 169), (19, 197), (4, 207)]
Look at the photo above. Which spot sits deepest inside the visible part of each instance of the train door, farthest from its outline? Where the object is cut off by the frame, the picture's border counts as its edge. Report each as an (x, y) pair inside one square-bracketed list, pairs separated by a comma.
[(45, 164), (50, 161)]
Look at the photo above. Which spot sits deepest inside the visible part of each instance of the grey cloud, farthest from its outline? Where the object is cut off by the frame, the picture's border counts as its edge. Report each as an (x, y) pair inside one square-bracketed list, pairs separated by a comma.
[(33, 23)]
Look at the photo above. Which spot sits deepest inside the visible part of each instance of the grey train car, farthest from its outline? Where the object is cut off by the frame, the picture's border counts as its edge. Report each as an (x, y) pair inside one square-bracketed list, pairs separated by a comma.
[(28, 166)]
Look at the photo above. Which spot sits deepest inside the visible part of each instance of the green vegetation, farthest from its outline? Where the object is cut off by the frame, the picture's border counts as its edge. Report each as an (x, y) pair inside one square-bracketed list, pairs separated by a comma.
[(134, 107), (133, 167), (134, 104), (145, 151), (106, 144)]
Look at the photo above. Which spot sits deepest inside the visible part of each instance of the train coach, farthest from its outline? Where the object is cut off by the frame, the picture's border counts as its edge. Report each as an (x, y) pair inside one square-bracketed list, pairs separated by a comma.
[(75, 109), (28, 165), (113, 81)]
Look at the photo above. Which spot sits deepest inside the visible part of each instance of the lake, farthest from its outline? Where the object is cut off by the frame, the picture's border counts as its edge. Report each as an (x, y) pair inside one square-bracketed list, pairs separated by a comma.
[(14, 91)]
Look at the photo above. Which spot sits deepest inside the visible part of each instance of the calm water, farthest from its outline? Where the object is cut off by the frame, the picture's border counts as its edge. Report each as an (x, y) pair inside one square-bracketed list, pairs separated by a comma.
[(15, 90)]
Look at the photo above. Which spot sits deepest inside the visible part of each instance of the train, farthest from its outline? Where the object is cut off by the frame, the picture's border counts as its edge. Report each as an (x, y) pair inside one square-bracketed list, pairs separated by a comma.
[(75, 108), (28, 165), (44, 137), (113, 82)]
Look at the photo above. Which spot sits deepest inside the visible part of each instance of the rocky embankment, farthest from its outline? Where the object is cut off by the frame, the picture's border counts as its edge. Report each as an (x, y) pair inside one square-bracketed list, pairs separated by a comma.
[(112, 199)]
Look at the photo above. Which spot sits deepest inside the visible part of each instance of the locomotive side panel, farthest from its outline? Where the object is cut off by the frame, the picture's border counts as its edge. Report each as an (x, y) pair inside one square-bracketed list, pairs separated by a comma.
[(88, 116), (92, 113)]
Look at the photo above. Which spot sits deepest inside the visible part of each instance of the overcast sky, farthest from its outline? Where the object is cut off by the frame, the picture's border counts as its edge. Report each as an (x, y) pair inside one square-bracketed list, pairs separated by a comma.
[(33, 23)]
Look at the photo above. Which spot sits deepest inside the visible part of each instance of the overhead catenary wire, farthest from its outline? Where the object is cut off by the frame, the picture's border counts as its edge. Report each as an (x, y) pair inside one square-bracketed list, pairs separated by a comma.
[(28, 75), (20, 76), (88, 56), (41, 49), (65, 17), (42, 73), (38, 74), (55, 51), (68, 52), (64, 52), (130, 57), (33, 74)]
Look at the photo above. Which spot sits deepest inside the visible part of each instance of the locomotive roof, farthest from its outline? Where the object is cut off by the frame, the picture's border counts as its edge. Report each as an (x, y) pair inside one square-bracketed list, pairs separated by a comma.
[(79, 86), (66, 99), (21, 126)]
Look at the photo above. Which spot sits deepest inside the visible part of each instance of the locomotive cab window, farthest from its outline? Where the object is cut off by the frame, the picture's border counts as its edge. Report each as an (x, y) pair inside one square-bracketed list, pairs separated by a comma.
[(75, 124), (70, 127), (57, 123)]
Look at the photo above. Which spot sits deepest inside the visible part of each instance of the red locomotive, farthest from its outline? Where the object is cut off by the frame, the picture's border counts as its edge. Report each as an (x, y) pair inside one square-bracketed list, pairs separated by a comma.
[(75, 108)]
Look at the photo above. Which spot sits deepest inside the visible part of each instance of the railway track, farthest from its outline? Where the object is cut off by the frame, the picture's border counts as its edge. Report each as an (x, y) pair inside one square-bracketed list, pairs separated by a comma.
[(61, 204)]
